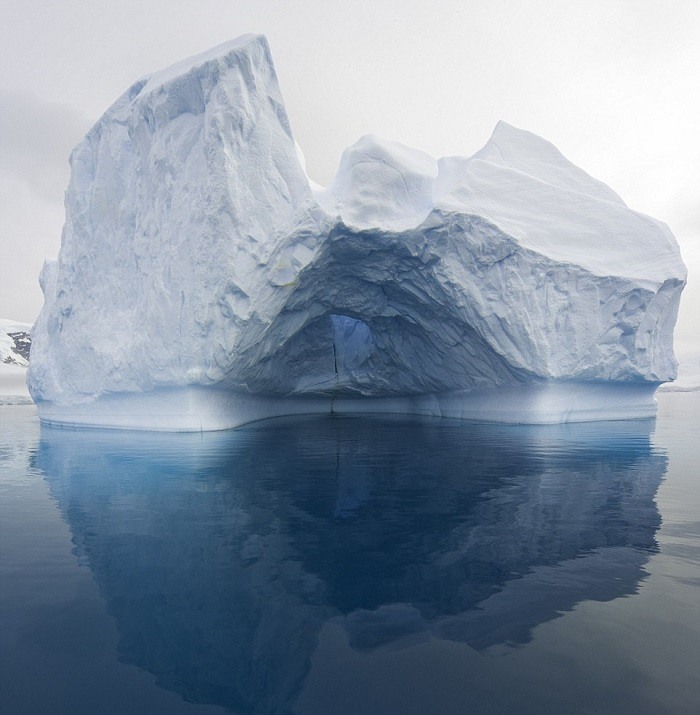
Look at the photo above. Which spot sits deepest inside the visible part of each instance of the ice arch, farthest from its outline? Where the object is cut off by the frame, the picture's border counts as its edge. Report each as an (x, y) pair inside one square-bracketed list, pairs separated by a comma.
[(372, 323), (204, 281)]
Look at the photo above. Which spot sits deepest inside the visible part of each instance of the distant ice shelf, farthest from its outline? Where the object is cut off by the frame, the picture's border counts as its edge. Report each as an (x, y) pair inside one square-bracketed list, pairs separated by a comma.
[(204, 281)]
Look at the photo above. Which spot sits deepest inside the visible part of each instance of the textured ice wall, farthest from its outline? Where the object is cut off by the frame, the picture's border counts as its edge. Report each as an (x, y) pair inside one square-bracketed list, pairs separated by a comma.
[(201, 271), (180, 206)]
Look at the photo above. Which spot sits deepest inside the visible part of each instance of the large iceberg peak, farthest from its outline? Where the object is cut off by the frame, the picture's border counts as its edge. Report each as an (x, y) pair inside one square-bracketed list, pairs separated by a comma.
[(204, 281), (181, 191)]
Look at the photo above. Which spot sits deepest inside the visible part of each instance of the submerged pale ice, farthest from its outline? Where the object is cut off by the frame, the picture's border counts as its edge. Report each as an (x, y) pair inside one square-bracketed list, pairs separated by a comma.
[(204, 281)]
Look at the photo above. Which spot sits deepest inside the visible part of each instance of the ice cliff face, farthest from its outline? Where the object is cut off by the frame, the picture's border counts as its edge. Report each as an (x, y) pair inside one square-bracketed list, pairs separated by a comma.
[(202, 281)]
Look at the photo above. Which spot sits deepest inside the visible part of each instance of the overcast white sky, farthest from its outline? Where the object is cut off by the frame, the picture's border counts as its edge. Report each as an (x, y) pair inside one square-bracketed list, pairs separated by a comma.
[(614, 84)]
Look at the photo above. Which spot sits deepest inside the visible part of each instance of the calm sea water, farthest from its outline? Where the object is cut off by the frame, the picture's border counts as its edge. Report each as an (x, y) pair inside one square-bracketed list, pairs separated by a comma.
[(352, 565)]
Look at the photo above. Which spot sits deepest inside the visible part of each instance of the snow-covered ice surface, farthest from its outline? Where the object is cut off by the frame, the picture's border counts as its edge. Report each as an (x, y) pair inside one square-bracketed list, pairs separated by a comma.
[(204, 281), (14, 344)]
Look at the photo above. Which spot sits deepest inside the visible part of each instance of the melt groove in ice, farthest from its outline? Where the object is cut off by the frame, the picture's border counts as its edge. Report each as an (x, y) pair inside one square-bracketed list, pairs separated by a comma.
[(204, 281)]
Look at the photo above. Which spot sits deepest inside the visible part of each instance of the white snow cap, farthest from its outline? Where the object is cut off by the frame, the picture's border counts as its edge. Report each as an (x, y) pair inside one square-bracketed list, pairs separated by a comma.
[(523, 184), (204, 281), (381, 184)]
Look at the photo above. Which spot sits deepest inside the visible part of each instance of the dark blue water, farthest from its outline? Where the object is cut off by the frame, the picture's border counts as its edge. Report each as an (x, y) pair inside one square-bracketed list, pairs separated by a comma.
[(352, 565)]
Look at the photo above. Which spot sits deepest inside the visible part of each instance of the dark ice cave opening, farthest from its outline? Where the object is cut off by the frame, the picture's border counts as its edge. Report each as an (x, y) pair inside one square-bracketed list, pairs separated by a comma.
[(353, 344)]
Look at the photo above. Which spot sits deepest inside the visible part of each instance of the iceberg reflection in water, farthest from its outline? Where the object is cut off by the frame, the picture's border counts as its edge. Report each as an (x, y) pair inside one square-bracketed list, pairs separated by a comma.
[(222, 555)]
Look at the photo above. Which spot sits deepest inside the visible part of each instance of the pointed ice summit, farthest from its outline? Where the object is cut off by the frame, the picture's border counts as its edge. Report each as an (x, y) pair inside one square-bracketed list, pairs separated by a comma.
[(204, 282)]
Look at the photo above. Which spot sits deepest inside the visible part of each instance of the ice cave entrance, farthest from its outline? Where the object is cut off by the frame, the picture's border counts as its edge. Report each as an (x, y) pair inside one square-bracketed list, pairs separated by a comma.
[(353, 344)]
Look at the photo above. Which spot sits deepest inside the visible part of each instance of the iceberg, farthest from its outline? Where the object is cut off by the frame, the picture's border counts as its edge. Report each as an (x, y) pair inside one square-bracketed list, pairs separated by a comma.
[(204, 281)]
